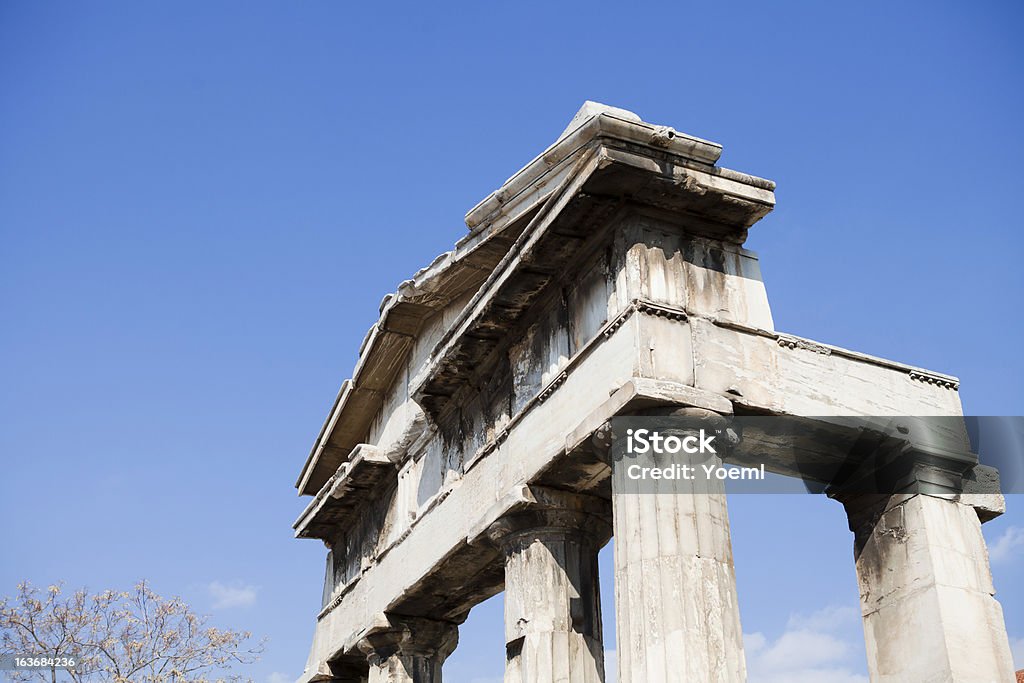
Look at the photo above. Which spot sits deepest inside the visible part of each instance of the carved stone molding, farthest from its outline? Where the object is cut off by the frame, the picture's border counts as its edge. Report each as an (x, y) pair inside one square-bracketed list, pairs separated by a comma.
[(937, 380), (788, 342), (408, 636)]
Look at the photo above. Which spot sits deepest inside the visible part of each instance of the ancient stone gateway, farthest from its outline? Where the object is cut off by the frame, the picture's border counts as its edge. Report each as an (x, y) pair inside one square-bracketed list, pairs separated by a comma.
[(468, 453)]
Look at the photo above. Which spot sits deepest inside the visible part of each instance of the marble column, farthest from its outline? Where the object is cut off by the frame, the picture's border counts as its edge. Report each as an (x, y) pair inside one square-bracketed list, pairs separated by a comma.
[(926, 592), (677, 614), (552, 596), (408, 649)]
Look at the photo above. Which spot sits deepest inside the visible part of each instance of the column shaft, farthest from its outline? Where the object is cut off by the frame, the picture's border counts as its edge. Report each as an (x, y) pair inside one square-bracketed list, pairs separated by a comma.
[(552, 601), (677, 614), (401, 668), (926, 592)]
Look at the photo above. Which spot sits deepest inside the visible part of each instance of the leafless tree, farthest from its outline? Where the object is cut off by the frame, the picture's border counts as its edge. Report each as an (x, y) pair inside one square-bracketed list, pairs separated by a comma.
[(122, 637)]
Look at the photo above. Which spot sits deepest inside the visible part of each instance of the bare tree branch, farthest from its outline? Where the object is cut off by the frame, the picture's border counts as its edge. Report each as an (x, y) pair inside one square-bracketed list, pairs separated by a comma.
[(120, 637)]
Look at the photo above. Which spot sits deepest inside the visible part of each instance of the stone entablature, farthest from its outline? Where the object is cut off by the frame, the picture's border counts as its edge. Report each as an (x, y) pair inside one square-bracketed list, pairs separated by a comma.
[(607, 276)]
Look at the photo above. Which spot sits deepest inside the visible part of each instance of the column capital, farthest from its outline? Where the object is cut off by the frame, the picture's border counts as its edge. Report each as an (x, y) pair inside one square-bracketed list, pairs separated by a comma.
[(549, 524), (553, 513), (901, 466), (413, 636)]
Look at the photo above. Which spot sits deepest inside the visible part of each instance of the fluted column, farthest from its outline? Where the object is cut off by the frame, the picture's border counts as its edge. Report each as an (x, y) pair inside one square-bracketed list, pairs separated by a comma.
[(926, 592), (408, 649), (552, 597), (677, 614)]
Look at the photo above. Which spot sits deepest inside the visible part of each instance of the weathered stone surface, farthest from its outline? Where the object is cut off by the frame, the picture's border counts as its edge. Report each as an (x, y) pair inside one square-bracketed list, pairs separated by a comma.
[(607, 276), (552, 596), (982, 492), (339, 502), (926, 592), (675, 587), (591, 109), (407, 649)]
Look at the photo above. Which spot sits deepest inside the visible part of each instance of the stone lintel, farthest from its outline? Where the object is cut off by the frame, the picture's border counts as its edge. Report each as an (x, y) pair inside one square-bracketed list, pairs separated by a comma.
[(734, 359), (586, 467), (641, 393), (345, 494)]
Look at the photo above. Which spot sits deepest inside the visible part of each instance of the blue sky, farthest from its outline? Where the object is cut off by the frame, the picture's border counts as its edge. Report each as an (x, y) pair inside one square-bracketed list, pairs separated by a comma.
[(201, 205)]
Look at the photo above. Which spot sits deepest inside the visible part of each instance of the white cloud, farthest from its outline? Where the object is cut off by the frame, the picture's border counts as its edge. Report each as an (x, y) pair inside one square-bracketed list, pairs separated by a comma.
[(827, 619), (810, 650), (278, 677), (1017, 648), (235, 594), (1008, 545)]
